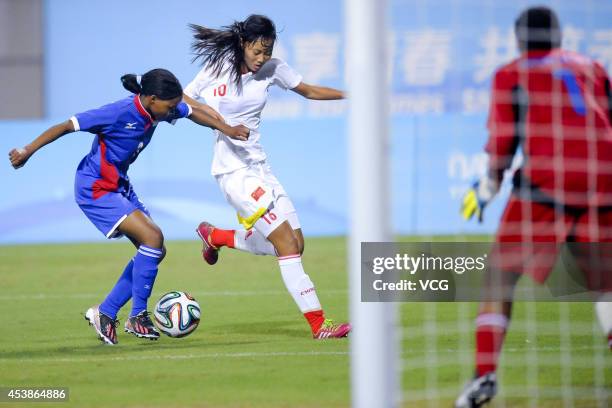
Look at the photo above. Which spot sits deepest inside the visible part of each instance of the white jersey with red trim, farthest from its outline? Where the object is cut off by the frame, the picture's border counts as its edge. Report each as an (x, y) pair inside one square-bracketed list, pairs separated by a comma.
[(242, 107)]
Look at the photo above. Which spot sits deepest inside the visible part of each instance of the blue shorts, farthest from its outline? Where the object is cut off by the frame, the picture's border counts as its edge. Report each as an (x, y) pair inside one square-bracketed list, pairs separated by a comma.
[(108, 211)]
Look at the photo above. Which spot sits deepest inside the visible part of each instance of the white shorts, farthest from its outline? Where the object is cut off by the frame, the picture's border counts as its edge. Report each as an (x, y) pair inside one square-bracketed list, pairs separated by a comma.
[(258, 197)]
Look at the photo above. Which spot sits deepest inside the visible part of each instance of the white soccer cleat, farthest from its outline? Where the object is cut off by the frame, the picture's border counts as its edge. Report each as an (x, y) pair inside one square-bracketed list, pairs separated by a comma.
[(478, 392)]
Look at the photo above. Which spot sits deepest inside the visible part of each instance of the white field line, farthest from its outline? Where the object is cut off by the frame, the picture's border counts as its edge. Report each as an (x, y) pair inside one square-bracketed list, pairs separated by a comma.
[(176, 356), (54, 296), (408, 361)]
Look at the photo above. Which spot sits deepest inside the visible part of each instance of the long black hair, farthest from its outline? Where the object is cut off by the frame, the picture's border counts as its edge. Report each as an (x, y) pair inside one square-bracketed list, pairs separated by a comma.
[(538, 28), (159, 82), (222, 49)]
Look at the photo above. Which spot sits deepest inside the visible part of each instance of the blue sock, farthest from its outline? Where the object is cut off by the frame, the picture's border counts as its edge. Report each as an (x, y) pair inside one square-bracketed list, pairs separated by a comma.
[(146, 262), (121, 293)]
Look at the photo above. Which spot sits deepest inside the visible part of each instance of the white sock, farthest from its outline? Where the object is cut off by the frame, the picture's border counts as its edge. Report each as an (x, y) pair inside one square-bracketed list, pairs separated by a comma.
[(603, 309), (492, 319), (298, 283), (254, 242)]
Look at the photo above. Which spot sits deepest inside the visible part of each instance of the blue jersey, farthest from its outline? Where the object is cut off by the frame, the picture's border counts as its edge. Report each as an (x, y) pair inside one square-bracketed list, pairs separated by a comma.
[(123, 129)]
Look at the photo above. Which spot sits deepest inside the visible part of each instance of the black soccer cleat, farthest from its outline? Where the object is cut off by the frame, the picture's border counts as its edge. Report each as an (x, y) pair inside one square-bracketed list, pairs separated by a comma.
[(478, 392), (141, 326), (102, 324)]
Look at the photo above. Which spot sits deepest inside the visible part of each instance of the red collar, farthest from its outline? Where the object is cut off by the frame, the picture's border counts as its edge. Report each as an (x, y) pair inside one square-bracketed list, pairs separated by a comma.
[(141, 109), (540, 53)]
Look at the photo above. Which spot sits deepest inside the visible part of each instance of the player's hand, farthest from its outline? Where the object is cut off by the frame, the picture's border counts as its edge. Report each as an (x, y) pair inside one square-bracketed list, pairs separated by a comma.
[(476, 198), (19, 157), (238, 132)]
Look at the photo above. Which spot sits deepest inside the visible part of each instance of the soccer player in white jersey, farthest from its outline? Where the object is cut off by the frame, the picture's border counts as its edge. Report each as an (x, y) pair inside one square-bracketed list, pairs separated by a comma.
[(238, 69)]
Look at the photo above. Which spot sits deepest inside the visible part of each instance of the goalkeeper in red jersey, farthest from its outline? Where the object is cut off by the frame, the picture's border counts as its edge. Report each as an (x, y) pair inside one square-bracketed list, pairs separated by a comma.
[(556, 107)]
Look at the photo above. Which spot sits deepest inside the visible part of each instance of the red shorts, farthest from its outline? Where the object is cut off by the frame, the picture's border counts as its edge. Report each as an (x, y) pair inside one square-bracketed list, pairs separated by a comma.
[(532, 234)]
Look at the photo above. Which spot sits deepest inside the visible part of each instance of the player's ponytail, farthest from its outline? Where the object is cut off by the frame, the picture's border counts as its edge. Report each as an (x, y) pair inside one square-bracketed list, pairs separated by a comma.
[(130, 82), (159, 82), (222, 49)]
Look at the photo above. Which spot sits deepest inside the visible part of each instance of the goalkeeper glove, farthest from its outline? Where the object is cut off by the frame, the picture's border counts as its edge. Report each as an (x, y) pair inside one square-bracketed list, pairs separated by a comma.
[(477, 198)]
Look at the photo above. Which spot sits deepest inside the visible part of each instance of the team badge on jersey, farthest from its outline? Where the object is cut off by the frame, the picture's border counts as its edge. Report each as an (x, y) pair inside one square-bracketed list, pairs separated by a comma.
[(258, 193)]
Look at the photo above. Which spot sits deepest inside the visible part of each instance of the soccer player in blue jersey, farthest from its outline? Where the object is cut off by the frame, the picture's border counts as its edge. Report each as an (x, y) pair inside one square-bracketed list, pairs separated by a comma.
[(104, 193)]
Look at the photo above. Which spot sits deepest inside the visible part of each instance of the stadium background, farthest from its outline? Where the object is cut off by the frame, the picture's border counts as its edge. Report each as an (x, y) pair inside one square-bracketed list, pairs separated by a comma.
[(442, 54)]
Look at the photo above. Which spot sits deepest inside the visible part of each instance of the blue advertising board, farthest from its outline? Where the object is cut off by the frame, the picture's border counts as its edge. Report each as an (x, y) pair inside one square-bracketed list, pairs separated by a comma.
[(441, 54)]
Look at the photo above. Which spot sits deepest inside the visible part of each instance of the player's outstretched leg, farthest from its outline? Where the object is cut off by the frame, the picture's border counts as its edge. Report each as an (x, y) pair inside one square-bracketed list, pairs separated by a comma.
[(102, 324), (252, 241), (477, 392), (141, 326), (213, 239)]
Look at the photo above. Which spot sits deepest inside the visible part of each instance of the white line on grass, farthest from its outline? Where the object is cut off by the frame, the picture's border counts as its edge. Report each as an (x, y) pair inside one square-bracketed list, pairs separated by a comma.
[(178, 356), (46, 296), (246, 355)]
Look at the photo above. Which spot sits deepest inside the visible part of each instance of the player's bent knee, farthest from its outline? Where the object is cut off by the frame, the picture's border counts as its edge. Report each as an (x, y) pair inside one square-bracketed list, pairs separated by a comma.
[(297, 233), (154, 239), (286, 246), (291, 246)]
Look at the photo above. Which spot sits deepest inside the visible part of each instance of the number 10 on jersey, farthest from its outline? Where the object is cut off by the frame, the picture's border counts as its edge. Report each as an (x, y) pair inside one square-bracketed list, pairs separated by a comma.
[(220, 90)]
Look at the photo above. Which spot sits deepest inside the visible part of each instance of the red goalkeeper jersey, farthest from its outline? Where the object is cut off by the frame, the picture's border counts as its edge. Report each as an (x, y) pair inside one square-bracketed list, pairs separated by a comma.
[(555, 106)]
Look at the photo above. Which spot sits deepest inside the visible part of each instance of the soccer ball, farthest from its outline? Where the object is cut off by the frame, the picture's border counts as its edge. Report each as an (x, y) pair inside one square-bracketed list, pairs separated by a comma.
[(177, 314)]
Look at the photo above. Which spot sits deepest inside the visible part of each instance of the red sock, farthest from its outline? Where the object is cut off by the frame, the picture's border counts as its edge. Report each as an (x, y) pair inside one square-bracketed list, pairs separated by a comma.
[(221, 237), (490, 333), (315, 319)]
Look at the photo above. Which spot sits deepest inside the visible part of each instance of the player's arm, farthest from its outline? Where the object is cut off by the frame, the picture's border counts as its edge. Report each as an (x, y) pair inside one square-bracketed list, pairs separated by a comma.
[(609, 93), (192, 102), (504, 114), (316, 92), (19, 156), (201, 117), (602, 88), (196, 88)]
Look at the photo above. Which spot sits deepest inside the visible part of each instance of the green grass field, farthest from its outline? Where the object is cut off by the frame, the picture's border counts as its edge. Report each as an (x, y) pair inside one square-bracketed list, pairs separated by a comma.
[(253, 347)]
